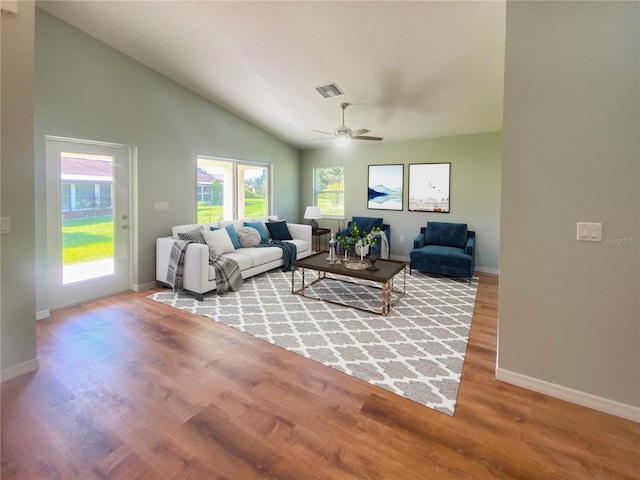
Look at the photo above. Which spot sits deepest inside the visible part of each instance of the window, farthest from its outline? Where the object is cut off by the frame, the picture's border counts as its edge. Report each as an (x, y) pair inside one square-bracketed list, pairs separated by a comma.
[(228, 189), (65, 196), (328, 186)]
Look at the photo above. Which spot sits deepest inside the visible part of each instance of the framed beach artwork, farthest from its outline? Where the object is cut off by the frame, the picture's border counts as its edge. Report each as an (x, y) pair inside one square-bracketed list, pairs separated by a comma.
[(385, 187), (429, 185)]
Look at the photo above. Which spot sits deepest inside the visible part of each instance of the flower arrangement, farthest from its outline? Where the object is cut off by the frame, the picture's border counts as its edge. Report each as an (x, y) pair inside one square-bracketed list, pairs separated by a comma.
[(358, 239)]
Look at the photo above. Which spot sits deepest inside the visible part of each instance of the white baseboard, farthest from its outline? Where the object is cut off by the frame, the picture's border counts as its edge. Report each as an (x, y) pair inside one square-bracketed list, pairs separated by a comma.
[(42, 314), (495, 271), (143, 286), (20, 369), (570, 395)]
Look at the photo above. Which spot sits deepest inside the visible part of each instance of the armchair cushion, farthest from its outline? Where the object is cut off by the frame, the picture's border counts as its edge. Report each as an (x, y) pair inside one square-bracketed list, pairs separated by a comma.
[(446, 234), (366, 224)]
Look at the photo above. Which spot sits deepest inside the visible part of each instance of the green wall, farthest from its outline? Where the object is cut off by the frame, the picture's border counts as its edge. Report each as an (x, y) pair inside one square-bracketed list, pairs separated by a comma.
[(17, 259), (475, 186), (569, 311), (85, 89)]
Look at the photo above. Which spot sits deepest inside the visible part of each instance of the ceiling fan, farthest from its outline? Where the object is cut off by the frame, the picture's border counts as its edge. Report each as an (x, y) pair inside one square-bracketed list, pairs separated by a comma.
[(343, 134)]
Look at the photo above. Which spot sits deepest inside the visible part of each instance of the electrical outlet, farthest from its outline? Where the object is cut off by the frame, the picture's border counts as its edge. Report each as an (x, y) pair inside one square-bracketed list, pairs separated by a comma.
[(402, 238)]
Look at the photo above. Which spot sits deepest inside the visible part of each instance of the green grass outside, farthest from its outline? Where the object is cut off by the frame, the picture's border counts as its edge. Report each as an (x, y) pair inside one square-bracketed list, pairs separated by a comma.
[(326, 202), (253, 207), (87, 239)]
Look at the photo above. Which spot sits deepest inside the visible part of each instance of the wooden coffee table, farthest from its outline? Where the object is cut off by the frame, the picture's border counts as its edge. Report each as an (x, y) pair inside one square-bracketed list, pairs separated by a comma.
[(387, 270)]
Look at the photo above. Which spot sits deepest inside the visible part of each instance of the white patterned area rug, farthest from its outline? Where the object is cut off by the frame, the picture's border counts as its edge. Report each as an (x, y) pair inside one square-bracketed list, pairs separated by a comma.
[(417, 351)]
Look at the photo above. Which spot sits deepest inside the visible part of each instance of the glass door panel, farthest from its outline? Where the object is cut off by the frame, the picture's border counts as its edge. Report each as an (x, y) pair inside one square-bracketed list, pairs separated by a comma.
[(87, 216), (89, 236)]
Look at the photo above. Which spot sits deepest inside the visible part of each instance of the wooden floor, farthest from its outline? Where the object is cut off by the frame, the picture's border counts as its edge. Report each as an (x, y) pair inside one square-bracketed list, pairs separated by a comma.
[(129, 388)]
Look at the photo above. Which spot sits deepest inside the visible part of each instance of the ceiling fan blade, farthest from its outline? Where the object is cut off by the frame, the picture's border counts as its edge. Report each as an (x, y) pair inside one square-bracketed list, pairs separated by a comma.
[(320, 131), (361, 131), (363, 137)]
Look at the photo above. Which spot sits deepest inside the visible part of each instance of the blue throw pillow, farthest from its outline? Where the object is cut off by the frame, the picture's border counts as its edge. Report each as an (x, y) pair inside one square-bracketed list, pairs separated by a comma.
[(366, 224), (446, 234), (279, 230), (260, 228), (232, 235)]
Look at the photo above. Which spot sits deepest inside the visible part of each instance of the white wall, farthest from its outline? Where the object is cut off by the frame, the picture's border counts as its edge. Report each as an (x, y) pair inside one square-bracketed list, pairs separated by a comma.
[(475, 186), (17, 248), (569, 311), (86, 89)]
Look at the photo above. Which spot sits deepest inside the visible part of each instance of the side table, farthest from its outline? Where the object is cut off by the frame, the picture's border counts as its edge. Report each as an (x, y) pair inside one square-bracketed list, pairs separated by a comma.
[(317, 233)]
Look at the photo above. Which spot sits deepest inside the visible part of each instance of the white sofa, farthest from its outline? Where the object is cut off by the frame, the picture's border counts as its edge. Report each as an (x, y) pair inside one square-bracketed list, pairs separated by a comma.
[(199, 276)]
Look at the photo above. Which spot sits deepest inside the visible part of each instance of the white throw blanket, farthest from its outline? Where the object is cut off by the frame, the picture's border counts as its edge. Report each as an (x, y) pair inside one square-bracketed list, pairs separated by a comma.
[(384, 247)]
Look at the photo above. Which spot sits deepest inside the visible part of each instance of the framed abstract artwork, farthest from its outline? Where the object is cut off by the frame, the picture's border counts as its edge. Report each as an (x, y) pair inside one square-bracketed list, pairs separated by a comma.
[(385, 190), (429, 185)]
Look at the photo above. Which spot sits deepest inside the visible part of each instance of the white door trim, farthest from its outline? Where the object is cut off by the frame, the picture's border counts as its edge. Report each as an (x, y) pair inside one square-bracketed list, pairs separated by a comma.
[(60, 295)]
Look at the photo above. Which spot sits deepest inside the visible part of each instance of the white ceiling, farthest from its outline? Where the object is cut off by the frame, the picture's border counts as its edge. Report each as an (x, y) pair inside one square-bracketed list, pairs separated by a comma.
[(409, 69)]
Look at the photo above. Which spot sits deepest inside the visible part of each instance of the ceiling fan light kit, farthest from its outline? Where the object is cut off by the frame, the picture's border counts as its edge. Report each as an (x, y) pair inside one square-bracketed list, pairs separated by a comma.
[(343, 135), (342, 140)]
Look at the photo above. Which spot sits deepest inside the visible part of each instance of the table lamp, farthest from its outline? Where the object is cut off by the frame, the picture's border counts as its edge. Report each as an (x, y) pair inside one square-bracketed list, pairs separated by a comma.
[(313, 213)]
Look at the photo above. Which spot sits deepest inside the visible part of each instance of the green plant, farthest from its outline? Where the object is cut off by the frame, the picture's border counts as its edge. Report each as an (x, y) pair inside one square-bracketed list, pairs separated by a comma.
[(358, 238)]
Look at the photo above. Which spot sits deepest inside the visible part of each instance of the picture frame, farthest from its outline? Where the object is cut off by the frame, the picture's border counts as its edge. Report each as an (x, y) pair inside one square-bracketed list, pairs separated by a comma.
[(385, 189), (429, 187)]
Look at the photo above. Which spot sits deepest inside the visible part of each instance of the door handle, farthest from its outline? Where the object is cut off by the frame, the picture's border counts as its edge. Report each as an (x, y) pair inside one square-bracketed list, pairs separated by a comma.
[(125, 227)]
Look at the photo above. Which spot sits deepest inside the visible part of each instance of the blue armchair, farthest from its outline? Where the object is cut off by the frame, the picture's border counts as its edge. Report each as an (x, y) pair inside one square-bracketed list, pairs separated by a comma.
[(366, 224), (444, 248)]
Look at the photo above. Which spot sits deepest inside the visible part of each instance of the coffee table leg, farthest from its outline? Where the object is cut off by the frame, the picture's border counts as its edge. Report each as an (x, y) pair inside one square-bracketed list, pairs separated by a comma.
[(386, 297)]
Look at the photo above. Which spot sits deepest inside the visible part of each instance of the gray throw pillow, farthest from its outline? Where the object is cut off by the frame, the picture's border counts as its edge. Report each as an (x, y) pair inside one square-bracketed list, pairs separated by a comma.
[(248, 236), (194, 236)]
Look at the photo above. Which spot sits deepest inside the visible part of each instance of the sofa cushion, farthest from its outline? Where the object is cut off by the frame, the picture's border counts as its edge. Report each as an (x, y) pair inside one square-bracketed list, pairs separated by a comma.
[(248, 237), (441, 255), (366, 224), (446, 234), (301, 245), (194, 236), (259, 226), (261, 255), (232, 234), (219, 241), (279, 230)]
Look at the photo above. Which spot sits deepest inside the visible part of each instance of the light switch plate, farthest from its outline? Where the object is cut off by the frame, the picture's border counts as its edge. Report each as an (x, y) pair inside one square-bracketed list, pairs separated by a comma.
[(5, 225), (589, 232)]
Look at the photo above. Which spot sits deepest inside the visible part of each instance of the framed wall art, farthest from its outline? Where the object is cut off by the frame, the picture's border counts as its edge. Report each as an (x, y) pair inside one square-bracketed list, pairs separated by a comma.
[(429, 185), (385, 190)]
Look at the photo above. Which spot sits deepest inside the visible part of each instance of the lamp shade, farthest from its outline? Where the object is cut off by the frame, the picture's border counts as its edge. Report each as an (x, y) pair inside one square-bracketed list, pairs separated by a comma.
[(312, 213)]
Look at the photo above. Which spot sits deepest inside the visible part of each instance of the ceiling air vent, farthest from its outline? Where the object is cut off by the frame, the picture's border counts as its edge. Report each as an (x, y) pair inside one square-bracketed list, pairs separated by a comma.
[(330, 91)]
